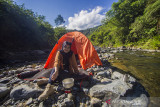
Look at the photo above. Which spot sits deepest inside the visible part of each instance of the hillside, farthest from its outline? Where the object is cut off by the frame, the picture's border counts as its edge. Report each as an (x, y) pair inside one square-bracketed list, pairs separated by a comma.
[(21, 29), (131, 23)]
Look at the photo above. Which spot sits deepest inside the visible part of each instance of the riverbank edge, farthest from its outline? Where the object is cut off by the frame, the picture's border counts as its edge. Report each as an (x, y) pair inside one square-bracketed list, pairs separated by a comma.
[(130, 48)]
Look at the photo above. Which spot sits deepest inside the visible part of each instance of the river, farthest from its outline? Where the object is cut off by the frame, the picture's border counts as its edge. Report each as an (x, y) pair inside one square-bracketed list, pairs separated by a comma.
[(145, 66)]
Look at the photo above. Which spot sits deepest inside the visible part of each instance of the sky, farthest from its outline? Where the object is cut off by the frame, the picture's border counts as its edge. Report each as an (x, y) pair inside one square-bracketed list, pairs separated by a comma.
[(78, 14)]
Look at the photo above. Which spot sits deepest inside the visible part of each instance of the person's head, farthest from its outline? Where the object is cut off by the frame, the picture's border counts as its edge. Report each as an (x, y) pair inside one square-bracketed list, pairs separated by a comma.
[(66, 46)]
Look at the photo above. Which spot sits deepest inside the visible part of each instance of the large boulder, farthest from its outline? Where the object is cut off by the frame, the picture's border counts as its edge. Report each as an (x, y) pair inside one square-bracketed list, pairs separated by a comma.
[(117, 87), (141, 101), (23, 92)]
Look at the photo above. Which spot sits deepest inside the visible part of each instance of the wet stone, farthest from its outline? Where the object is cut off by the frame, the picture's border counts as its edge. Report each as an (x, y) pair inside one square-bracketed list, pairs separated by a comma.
[(63, 96), (29, 101), (41, 104), (117, 86), (15, 80), (116, 75), (90, 70), (3, 85), (5, 80), (2, 75), (95, 102), (4, 91), (85, 90), (23, 92), (102, 74)]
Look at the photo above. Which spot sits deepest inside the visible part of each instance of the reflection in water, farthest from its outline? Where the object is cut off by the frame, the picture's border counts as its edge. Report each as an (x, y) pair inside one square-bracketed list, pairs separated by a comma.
[(143, 65)]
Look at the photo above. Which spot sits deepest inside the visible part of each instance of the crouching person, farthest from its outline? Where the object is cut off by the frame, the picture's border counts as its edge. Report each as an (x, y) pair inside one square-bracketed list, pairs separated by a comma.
[(65, 66)]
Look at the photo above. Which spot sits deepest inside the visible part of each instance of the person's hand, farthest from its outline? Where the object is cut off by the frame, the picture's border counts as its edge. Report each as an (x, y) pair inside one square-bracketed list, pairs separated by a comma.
[(54, 75)]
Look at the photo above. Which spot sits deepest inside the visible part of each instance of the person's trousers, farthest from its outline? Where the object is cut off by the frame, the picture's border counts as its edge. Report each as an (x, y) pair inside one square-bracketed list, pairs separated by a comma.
[(61, 75)]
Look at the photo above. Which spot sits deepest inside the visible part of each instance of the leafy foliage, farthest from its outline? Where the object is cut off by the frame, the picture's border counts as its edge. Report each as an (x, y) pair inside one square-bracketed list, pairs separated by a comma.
[(59, 20), (130, 23), (22, 29), (59, 32)]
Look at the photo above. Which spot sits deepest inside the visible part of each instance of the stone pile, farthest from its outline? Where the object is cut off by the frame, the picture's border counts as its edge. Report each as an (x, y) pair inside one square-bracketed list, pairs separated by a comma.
[(107, 87)]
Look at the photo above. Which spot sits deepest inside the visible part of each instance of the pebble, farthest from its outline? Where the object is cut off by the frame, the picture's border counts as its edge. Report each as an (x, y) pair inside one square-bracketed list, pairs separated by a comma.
[(41, 104), (29, 101)]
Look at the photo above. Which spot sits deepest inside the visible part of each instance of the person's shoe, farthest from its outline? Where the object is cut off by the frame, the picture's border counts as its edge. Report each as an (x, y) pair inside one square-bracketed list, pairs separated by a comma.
[(48, 91), (42, 81)]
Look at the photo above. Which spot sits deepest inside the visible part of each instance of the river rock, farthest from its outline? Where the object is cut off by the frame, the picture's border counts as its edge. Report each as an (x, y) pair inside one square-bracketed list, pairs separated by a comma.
[(61, 97), (4, 91), (100, 55), (96, 69), (105, 80), (82, 105), (131, 79), (38, 52), (29, 69), (98, 49), (105, 105), (18, 71), (102, 74), (5, 80), (123, 48), (114, 51), (141, 101), (67, 103), (94, 80), (90, 70), (108, 55), (3, 85), (85, 90), (41, 104), (2, 75), (23, 92), (14, 80), (95, 102), (29, 101), (117, 86), (12, 72), (103, 51), (116, 75)]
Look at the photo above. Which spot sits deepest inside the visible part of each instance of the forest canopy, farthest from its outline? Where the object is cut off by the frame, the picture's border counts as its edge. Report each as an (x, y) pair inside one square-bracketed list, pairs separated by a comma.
[(130, 23), (22, 29)]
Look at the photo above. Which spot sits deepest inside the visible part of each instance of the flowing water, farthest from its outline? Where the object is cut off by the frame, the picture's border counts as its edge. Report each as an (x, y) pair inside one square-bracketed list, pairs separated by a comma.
[(145, 66)]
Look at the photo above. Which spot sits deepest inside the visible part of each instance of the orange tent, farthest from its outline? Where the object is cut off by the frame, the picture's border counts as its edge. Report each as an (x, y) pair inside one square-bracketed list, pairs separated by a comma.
[(81, 45)]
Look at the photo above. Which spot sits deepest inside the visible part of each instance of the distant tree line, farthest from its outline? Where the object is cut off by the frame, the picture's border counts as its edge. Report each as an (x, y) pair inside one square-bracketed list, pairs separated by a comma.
[(130, 23), (22, 29)]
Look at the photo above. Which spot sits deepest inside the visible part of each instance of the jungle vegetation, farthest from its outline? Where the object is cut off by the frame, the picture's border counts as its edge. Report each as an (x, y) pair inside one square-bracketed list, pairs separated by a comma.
[(132, 23)]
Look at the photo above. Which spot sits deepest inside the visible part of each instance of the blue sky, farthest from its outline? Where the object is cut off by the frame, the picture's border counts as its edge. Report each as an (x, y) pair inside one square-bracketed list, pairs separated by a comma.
[(78, 14)]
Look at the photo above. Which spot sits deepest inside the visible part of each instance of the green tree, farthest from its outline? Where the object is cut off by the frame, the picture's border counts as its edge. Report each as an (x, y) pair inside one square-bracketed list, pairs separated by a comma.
[(59, 20), (59, 32), (153, 11)]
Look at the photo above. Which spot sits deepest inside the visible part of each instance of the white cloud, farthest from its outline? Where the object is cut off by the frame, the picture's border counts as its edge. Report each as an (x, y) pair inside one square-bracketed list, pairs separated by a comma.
[(86, 19)]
